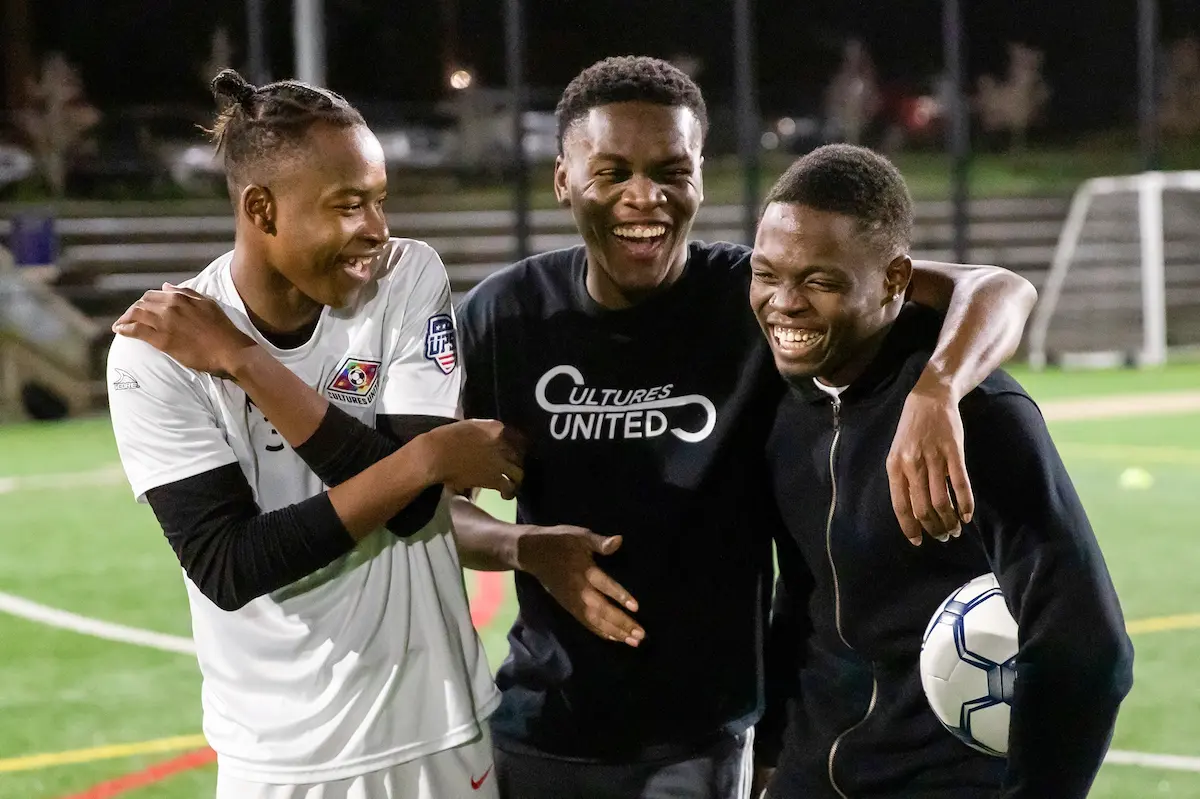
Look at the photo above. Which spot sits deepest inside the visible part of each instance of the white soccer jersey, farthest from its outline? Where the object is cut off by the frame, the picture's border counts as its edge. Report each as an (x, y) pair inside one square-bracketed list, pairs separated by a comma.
[(372, 660)]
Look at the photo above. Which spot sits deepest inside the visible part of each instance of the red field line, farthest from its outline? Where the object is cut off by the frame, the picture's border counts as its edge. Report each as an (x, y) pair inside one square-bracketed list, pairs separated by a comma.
[(488, 596), (147, 776)]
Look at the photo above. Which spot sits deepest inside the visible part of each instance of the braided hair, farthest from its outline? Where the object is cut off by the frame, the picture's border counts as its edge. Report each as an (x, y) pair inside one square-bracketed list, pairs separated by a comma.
[(259, 125)]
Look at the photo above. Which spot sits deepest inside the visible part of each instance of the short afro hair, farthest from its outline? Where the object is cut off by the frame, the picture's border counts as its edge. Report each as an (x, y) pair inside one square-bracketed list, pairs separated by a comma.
[(623, 79), (258, 126), (855, 181)]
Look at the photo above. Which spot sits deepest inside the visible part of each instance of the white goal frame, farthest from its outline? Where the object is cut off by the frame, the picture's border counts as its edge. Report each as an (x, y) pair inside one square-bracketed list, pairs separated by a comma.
[(1149, 187)]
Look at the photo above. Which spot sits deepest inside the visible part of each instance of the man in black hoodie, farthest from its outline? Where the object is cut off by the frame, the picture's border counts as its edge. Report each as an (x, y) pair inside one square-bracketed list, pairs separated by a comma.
[(846, 715)]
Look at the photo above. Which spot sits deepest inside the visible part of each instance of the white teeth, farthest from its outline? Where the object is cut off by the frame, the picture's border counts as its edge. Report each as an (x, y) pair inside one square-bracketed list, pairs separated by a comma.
[(792, 335), (640, 231)]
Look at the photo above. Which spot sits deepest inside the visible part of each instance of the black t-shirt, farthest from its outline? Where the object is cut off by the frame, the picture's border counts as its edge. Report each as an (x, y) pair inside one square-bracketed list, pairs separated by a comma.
[(648, 422)]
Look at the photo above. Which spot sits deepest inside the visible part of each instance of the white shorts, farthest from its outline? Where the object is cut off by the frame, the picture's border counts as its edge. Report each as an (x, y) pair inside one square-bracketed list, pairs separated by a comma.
[(464, 772)]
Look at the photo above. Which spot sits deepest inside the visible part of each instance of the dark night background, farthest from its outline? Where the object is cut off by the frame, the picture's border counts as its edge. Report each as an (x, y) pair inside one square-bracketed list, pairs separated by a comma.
[(136, 52)]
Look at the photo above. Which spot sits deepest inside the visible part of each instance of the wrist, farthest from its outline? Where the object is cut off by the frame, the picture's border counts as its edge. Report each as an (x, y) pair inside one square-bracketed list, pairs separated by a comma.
[(518, 554), (240, 363), (939, 384), (426, 456)]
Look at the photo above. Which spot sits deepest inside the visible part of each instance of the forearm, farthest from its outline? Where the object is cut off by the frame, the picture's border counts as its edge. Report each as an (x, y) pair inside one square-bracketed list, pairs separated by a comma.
[(294, 408), (485, 543), (371, 498), (985, 313), (1060, 733)]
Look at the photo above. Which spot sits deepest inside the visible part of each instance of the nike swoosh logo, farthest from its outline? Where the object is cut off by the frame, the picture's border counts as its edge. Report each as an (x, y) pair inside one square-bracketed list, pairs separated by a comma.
[(476, 784)]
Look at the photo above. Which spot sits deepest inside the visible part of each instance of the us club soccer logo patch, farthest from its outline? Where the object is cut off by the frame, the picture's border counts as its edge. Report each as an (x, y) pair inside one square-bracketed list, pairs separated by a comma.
[(440, 344), (356, 381)]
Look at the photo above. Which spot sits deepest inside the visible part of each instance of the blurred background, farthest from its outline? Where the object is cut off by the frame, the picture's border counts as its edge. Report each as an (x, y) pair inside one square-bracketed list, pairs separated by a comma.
[(1060, 140)]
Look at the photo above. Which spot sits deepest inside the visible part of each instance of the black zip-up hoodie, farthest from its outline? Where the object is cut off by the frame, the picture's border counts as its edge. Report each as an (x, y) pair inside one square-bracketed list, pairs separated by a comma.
[(854, 597)]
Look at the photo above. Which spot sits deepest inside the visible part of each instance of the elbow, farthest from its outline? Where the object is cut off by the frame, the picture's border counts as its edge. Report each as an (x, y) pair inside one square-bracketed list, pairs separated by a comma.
[(1017, 289), (1117, 657), (1023, 291), (223, 595), (216, 579), (417, 514), (1104, 666), (227, 601)]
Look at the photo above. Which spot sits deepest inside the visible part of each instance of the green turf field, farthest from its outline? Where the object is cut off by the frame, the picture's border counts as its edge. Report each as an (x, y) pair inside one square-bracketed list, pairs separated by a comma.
[(89, 549)]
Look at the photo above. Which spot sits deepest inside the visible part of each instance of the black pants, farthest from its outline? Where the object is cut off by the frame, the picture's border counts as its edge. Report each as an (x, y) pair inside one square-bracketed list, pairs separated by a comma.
[(721, 771)]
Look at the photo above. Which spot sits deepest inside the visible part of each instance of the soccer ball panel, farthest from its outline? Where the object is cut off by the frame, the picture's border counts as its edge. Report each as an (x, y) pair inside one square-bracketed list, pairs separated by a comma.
[(990, 630), (988, 726)]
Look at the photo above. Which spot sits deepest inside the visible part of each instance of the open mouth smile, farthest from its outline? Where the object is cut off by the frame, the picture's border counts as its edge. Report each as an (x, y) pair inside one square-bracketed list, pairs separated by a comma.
[(795, 342)]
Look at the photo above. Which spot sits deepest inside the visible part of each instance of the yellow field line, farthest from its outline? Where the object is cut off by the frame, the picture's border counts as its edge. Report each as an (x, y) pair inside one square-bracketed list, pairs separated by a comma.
[(32, 762), (1186, 621), (1132, 454)]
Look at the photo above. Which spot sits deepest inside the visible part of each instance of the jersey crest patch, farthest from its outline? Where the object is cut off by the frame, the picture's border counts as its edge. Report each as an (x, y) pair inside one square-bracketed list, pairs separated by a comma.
[(355, 381), (440, 344)]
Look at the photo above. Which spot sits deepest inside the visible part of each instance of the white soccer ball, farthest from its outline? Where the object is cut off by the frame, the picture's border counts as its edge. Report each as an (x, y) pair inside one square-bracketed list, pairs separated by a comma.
[(357, 377), (968, 670)]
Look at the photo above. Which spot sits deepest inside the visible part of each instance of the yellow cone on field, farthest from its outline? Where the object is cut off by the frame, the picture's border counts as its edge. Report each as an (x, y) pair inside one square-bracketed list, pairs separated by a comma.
[(1136, 479)]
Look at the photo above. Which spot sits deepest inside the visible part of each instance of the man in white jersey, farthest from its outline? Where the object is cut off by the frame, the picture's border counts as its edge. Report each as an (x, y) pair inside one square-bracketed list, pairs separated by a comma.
[(328, 608)]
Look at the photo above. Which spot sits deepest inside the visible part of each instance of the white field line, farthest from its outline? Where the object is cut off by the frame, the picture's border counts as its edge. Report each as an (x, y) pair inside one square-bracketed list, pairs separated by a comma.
[(112, 474), (1117, 757), (109, 631), (173, 643)]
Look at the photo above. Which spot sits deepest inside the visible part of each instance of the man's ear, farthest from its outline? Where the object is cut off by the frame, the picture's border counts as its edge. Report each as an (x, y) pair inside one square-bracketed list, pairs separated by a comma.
[(259, 206), (897, 277), (561, 194)]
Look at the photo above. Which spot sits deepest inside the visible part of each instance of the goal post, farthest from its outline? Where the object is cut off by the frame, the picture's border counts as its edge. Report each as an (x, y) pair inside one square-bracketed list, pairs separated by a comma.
[(1150, 253)]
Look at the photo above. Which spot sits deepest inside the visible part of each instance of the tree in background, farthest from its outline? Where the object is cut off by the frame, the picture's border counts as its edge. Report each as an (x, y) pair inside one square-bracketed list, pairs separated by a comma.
[(852, 99), (56, 119), (1179, 110), (1015, 102)]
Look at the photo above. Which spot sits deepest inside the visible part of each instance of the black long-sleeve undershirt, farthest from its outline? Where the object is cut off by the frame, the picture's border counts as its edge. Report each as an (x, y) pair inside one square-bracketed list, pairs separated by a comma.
[(342, 446), (234, 553)]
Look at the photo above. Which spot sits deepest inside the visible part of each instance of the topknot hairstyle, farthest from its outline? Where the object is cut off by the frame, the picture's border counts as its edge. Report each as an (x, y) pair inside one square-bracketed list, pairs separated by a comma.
[(623, 79), (257, 125), (855, 181)]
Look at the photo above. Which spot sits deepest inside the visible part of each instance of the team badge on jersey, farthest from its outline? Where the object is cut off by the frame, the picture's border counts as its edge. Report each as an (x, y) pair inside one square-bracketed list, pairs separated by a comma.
[(355, 381), (440, 345)]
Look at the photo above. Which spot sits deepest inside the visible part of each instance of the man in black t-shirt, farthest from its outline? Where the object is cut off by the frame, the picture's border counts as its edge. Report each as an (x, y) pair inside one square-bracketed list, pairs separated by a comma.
[(635, 371)]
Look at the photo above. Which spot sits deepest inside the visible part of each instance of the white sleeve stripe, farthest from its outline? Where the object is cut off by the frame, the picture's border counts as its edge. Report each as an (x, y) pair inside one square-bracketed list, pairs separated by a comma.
[(420, 409)]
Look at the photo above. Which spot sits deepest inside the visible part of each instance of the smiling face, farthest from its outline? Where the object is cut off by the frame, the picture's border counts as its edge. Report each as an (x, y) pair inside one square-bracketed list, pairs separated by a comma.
[(824, 292), (326, 209), (630, 173)]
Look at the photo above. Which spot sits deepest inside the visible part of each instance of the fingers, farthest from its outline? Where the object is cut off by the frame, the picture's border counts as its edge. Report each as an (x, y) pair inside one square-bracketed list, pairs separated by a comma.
[(606, 585), (192, 293), (960, 488), (603, 545), (507, 487), (138, 322), (942, 509), (918, 497), (898, 486), (607, 620)]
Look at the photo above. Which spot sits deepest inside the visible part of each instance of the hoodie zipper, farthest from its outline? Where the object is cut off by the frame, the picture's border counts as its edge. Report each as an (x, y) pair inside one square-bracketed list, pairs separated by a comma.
[(837, 595)]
